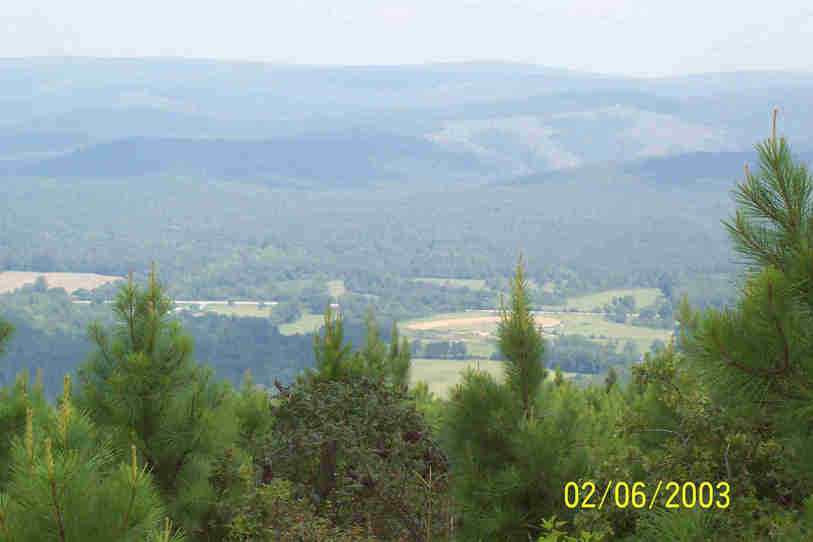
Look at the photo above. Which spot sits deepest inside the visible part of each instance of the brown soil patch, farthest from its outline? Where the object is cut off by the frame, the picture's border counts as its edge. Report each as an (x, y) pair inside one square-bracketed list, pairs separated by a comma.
[(463, 322), (11, 280)]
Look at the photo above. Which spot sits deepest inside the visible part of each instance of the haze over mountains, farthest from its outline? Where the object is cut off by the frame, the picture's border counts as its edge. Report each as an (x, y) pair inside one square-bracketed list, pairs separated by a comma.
[(81, 117)]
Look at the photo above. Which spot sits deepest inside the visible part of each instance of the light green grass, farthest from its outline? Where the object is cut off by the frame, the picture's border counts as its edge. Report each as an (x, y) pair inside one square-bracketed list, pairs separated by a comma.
[(441, 375), (643, 297), (307, 323), (581, 324), (472, 284), (335, 288), (595, 324), (240, 310)]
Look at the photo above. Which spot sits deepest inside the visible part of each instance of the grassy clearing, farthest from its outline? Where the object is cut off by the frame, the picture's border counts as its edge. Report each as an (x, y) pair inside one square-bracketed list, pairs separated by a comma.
[(335, 288), (643, 297), (480, 338), (307, 323), (11, 280), (240, 310), (474, 329), (595, 324), (472, 284), (441, 375)]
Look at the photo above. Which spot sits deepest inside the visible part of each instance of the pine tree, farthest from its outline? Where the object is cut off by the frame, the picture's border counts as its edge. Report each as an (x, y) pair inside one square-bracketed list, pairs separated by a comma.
[(508, 464), (67, 485), (6, 331), (333, 356), (399, 360), (521, 344), (611, 379), (558, 376), (143, 388), (374, 351), (758, 356)]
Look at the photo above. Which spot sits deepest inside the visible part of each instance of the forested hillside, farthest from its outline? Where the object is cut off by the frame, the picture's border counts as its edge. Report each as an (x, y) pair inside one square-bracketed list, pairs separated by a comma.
[(706, 440)]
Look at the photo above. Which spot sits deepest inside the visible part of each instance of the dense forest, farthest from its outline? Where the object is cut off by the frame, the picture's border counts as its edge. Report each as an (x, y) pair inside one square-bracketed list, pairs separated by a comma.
[(708, 439)]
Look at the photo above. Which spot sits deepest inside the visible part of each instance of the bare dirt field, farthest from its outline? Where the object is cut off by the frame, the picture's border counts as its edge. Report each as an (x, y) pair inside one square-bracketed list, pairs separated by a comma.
[(476, 321), (11, 280)]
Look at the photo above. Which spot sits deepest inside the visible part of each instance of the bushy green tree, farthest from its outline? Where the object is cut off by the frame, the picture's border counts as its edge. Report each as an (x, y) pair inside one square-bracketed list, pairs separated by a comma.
[(731, 404), (399, 359), (333, 356), (520, 341), (512, 446), (142, 387), (380, 444), (6, 331), (67, 484), (758, 355)]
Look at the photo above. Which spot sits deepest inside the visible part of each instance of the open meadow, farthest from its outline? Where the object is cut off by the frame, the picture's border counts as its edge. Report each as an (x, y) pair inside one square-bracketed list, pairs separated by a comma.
[(643, 297), (478, 329), (12, 280), (241, 310), (441, 375), (306, 323), (335, 288)]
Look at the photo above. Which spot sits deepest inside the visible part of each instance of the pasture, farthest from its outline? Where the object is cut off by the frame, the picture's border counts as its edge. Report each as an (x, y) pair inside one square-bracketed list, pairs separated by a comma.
[(307, 323), (335, 288), (441, 375), (12, 280), (643, 297), (595, 324), (478, 330), (240, 310)]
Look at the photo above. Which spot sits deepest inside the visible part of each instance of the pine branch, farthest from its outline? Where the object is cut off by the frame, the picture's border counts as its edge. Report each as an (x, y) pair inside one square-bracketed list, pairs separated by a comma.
[(780, 331)]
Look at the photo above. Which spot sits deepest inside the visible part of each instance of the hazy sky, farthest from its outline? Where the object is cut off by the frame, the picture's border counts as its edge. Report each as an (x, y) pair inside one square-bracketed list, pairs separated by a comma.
[(632, 37)]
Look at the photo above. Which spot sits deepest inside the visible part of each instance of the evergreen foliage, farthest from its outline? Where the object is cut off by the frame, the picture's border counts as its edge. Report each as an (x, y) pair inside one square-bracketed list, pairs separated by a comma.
[(66, 483), (6, 331), (520, 342), (331, 353), (141, 387)]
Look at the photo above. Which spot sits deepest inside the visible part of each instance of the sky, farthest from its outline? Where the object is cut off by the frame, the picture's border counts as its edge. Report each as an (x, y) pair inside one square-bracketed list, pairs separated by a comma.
[(641, 38)]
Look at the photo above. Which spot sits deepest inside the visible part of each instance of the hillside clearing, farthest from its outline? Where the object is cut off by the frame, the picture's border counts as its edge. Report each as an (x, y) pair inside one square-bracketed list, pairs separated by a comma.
[(643, 297), (307, 323), (472, 321), (335, 288), (12, 280), (441, 375), (240, 310)]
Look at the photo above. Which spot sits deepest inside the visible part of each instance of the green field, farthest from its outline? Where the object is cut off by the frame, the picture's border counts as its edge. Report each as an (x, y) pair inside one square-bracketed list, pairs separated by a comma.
[(476, 344), (472, 284), (441, 375), (335, 288), (595, 324), (307, 323), (240, 310), (581, 324), (643, 297)]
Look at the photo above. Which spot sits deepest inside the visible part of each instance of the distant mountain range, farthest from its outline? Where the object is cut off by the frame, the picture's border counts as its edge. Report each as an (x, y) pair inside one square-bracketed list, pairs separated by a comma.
[(341, 160), (326, 126)]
